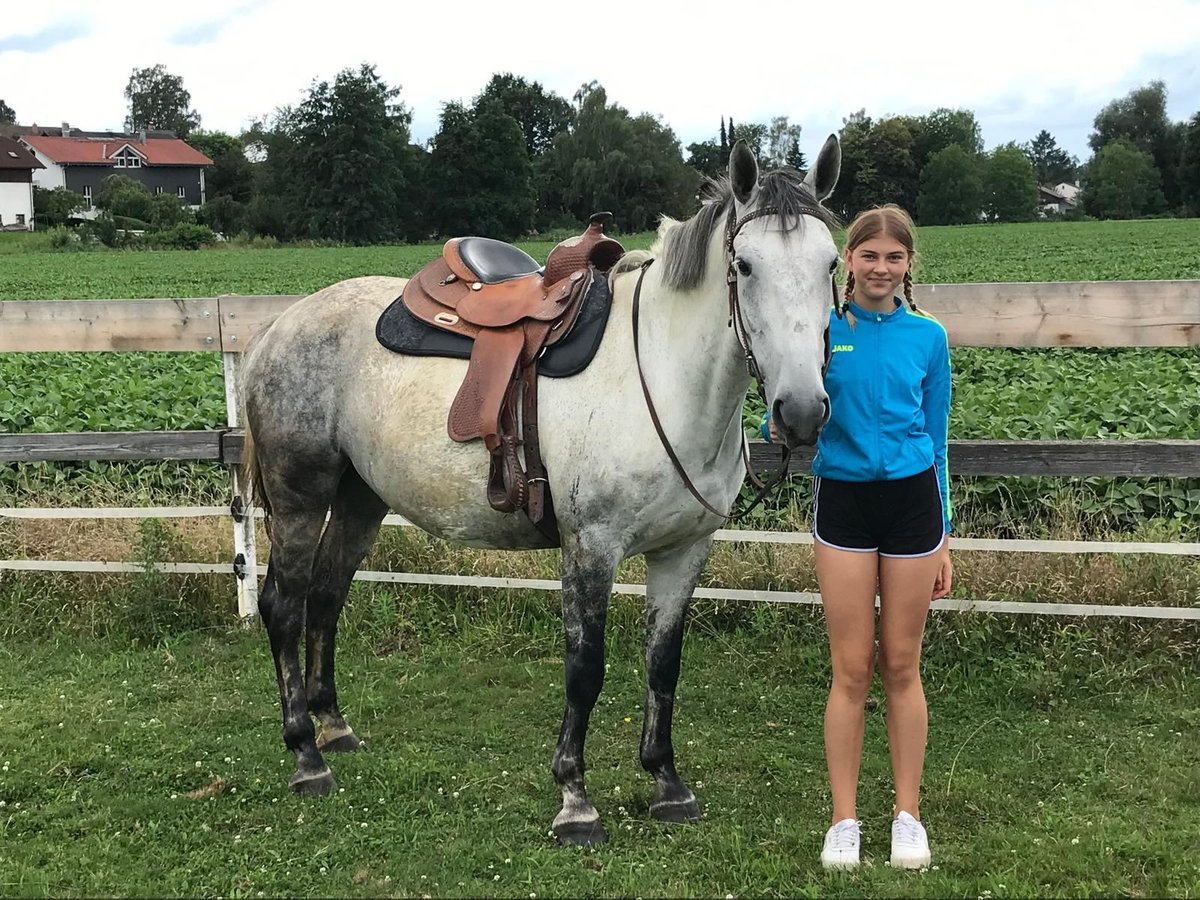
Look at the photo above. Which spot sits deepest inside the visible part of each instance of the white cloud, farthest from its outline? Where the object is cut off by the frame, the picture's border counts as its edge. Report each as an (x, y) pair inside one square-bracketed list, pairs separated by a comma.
[(1024, 63)]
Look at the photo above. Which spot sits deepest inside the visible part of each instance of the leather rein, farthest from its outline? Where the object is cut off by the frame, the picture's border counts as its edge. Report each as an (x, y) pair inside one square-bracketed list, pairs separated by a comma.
[(732, 230)]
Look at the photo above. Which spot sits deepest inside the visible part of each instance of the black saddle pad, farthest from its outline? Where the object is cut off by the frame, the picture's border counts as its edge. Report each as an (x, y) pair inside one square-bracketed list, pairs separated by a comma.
[(401, 331)]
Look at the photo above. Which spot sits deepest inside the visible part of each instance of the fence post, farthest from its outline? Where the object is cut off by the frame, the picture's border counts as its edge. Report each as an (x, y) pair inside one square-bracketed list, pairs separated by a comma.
[(245, 560)]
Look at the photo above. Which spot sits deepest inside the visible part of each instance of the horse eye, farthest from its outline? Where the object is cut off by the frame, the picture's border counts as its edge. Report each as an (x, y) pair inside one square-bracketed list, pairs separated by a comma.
[(743, 267), (833, 267)]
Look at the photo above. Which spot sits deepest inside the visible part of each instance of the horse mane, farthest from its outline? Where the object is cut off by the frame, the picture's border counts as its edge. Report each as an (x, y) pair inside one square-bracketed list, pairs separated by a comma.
[(684, 246)]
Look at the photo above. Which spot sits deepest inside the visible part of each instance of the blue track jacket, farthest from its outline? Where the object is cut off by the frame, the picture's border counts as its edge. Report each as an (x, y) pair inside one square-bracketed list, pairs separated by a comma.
[(889, 397)]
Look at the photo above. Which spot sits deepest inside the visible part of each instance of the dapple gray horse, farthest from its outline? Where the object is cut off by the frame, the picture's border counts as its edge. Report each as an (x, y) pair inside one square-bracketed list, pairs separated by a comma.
[(338, 425)]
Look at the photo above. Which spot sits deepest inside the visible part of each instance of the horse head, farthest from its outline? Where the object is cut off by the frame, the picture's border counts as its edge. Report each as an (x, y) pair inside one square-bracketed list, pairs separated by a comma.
[(781, 264)]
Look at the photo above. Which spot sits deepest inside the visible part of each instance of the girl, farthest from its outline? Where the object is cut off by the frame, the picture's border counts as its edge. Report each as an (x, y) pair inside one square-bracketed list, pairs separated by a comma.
[(881, 513)]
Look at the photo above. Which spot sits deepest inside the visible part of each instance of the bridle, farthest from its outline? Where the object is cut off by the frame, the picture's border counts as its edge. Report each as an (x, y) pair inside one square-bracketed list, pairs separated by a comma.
[(732, 229)]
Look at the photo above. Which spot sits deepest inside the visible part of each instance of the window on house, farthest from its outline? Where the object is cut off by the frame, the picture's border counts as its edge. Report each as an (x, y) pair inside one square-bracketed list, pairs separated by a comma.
[(87, 194), (158, 190), (119, 162), (134, 162), (20, 218), (183, 192)]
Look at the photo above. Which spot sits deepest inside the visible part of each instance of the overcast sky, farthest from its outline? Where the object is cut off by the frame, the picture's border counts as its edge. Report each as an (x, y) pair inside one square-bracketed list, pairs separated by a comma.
[(1020, 65)]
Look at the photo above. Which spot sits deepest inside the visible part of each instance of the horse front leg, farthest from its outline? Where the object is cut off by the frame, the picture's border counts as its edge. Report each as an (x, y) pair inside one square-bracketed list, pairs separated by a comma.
[(587, 578), (671, 577)]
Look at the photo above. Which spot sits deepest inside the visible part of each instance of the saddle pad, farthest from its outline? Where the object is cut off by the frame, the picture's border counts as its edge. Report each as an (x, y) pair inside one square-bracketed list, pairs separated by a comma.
[(398, 330)]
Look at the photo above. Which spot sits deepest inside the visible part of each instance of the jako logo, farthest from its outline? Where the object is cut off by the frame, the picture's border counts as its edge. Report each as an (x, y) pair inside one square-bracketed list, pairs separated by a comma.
[(842, 348)]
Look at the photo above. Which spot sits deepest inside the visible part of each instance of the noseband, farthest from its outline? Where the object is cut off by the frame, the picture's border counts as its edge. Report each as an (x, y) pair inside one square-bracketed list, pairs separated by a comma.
[(736, 322)]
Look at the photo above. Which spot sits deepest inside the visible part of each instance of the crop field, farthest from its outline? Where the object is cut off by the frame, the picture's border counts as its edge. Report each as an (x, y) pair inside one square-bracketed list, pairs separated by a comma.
[(142, 752)]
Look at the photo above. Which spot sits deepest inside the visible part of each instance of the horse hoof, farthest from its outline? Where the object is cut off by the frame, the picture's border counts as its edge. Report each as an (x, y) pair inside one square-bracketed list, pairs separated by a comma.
[(581, 834), (347, 743), (312, 784), (676, 810)]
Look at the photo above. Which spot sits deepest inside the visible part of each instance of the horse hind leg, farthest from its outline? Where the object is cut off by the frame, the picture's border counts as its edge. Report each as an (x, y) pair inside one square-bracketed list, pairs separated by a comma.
[(587, 586), (353, 524), (300, 503), (671, 578)]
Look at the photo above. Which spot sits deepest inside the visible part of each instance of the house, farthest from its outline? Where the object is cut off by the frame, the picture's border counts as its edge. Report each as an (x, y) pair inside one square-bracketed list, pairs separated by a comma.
[(1059, 199), (17, 165), (81, 160)]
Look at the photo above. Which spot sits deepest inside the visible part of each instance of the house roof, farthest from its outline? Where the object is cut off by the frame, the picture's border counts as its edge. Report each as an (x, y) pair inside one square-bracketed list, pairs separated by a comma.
[(14, 156), (91, 151)]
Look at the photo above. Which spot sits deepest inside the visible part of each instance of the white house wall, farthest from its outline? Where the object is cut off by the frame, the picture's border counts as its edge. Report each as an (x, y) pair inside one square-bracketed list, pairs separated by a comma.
[(51, 177), (16, 198)]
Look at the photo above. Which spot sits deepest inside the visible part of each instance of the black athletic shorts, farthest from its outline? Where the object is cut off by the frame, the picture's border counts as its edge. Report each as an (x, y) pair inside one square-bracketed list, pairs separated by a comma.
[(894, 518)]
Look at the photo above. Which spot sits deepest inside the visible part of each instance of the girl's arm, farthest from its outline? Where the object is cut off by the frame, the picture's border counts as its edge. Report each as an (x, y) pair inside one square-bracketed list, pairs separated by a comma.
[(936, 405)]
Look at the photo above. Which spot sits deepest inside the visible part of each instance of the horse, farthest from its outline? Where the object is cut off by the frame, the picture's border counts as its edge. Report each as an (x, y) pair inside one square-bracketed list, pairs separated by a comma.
[(339, 428)]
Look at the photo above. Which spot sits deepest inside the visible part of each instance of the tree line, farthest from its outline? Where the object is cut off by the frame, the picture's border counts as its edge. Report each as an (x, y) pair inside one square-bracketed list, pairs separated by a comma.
[(341, 165)]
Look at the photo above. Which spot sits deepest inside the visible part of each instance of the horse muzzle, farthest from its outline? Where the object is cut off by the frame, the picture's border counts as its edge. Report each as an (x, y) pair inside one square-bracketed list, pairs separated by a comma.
[(800, 421)]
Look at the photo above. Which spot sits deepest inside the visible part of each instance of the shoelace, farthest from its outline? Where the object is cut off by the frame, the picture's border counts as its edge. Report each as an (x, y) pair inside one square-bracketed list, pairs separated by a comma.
[(907, 831), (843, 836)]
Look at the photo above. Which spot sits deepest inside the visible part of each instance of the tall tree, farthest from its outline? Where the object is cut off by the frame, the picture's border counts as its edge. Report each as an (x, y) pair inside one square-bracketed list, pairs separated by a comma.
[(232, 174), (1010, 187), (340, 165), (707, 158), (7, 115), (480, 176), (1189, 167), (610, 160), (892, 145), (157, 100), (782, 142), (938, 129), (541, 114), (1141, 118), (855, 185), (724, 139), (1051, 164), (1122, 182), (951, 192)]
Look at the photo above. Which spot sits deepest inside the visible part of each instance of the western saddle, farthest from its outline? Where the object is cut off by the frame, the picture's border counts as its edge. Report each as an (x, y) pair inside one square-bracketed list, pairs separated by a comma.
[(512, 308)]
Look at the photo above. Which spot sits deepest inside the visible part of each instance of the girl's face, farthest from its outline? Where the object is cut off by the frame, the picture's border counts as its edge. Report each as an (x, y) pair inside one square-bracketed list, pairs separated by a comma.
[(878, 266)]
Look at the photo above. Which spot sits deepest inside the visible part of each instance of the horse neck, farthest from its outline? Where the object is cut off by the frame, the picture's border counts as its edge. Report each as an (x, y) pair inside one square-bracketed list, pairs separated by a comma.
[(697, 351)]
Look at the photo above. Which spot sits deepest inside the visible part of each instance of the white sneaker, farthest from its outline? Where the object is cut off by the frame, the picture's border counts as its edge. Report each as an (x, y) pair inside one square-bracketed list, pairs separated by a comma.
[(910, 843), (841, 845)]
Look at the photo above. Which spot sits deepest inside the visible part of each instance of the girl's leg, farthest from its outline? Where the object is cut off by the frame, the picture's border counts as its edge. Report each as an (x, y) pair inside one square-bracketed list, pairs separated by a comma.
[(847, 581), (905, 588)]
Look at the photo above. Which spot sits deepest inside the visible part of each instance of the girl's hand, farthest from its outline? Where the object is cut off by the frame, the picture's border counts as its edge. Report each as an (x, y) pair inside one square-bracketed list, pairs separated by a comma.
[(772, 429), (945, 576)]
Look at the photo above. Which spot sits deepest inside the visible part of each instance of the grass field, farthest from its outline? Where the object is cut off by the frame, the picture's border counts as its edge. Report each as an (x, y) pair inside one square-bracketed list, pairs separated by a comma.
[(1053, 770)]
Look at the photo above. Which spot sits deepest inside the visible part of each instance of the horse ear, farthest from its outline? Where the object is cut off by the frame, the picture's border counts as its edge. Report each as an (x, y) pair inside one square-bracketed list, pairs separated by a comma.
[(743, 171), (823, 176)]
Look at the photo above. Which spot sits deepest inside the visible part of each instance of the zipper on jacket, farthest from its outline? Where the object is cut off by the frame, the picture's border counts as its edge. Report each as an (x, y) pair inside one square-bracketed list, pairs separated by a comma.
[(876, 390)]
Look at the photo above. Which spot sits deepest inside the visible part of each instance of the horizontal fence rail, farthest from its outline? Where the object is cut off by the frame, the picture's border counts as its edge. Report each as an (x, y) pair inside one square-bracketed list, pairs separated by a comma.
[(1002, 315)]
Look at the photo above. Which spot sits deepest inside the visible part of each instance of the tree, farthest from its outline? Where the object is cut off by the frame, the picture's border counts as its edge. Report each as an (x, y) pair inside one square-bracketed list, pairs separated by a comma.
[(167, 210), (1010, 187), (340, 165), (1122, 182), (891, 145), (540, 114), (855, 182), (755, 136), (1141, 118), (55, 207), (1189, 167), (938, 129), (1051, 164), (481, 180), (610, 160), (782, 142), (951, 191), (158, 101), (120, 195), (232, 174), (707, 158), (7, 115)]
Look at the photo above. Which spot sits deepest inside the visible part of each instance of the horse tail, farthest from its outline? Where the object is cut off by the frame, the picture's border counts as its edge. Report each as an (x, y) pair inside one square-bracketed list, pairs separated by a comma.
[(252, 477)]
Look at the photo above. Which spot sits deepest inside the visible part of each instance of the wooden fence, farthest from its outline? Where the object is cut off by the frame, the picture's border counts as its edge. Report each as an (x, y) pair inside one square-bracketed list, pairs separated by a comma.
[(1058, 314)]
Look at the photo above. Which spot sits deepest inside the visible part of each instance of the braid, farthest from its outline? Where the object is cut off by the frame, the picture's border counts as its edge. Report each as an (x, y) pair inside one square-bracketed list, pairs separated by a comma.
[(912, 304), (846, 302), (849, 286)]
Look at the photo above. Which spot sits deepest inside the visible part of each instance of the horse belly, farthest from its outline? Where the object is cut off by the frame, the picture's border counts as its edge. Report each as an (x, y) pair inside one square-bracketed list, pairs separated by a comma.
[(395, 434)]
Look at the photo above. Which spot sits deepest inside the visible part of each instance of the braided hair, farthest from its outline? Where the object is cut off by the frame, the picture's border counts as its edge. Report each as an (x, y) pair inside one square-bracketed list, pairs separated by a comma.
[(891, 221)]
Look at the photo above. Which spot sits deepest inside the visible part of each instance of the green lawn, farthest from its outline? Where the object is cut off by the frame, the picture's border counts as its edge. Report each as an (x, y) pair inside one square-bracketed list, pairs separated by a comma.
[(160, 771)]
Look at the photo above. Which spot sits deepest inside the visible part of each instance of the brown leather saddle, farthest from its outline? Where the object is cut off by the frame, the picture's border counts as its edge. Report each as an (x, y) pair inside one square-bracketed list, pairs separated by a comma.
[(512, 308)]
